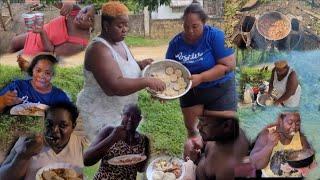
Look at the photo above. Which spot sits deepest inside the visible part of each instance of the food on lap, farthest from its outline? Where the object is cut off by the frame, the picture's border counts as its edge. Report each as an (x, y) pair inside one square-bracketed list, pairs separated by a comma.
[(169, 168), (60, 174)]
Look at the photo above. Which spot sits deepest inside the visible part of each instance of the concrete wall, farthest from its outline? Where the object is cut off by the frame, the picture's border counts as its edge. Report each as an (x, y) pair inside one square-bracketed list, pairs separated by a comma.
[(159, 29), (136, 25), (168, 28)]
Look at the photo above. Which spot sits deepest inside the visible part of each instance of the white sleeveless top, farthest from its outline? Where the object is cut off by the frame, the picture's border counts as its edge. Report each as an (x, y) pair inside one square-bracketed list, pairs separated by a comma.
[(280, 87), (96, 108)]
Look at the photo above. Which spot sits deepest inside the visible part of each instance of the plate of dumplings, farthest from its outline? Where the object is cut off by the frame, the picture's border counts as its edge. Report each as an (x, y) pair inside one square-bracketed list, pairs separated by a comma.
[(166, 168), (173, 74)]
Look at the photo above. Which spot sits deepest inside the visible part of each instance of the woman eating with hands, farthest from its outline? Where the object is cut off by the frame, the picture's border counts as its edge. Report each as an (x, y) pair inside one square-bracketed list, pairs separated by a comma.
[(57, 144), (118, 141)]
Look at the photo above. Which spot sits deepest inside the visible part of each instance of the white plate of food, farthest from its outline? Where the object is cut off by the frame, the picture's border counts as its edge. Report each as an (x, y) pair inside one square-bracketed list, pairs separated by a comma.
[(129, 159), (166, 168), (59, 171), (174, 74), (29, 109)]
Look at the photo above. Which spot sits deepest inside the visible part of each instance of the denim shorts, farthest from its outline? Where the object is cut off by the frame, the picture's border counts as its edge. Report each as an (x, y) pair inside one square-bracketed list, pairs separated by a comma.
[(222, 97)]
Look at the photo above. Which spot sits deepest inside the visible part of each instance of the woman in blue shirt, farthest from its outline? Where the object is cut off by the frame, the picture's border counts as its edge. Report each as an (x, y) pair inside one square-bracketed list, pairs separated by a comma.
[(201, 49), (37, 89)]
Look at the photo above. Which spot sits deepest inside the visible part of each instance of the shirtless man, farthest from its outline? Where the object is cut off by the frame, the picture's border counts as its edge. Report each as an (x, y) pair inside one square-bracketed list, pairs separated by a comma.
[(224, 146)]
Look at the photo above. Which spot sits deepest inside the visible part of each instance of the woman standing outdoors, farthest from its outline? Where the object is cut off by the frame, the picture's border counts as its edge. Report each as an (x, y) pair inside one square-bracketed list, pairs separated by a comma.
[(112, 75), (200, 48)]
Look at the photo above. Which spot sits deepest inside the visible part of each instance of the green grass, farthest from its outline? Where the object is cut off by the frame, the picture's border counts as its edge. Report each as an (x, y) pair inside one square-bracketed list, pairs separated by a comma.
[(164, 125), (162, 122), (136, 41)]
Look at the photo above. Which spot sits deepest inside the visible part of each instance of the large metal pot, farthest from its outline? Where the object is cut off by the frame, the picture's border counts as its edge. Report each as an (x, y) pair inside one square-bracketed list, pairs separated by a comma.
[(269, 23)]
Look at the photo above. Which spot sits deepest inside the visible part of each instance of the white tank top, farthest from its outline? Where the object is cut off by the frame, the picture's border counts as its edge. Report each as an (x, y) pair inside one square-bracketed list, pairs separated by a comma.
[(280, 87), (97, 109)]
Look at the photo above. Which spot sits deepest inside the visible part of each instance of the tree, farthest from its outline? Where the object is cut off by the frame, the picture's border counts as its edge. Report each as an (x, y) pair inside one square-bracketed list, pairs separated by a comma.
[(133, 5), (152, 4)]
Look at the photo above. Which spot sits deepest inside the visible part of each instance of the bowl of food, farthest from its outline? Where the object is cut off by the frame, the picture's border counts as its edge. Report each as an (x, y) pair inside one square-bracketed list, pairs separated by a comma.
[(59, 171), (300, 159), (29, 109), (165, 168), (273, 25), (174, 74), (264, 100)]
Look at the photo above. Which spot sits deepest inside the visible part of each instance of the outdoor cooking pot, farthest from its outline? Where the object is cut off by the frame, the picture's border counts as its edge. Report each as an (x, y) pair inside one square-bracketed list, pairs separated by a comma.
[(301, 158), (267, 20)]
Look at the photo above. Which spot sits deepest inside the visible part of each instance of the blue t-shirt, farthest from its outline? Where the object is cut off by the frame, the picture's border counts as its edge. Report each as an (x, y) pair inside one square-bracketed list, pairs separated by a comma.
[(24, 88), (202, 55)]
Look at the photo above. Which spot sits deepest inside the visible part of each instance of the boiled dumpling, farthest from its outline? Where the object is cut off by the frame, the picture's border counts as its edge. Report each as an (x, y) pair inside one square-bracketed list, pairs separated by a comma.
[(178, 72), (169, 70), (169, 176), (173, 77), (157, 175)]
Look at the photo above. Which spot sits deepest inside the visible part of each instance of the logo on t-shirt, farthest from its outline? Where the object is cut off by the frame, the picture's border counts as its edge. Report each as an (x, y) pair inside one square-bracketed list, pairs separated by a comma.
[(189, 58)]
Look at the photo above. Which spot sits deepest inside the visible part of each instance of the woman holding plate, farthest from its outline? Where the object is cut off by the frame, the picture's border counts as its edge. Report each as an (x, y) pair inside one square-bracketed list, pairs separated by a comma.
[(38, 89), (119, 141), (201, 49), (57, 144)]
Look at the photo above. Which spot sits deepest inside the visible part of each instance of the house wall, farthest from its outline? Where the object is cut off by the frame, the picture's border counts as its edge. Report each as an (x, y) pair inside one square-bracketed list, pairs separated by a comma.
[(168, 28), (159, 28), (167, 12), (136, 25)]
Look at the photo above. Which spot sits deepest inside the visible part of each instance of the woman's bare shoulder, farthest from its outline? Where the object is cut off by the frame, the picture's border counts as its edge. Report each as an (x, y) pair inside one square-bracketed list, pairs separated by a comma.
[(95, 53)]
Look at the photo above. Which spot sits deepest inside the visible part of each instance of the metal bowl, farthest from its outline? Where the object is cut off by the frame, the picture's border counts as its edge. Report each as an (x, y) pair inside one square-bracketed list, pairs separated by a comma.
[(265, 21), (160, 66), (301, 158), (261, 99)]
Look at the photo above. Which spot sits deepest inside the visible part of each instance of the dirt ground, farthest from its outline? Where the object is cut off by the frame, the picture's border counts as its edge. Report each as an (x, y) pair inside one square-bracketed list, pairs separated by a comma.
[(139, 53)]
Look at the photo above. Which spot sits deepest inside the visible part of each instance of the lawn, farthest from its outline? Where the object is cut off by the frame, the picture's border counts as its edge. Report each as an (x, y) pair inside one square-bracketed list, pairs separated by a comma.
[(162, 122), (137, 41)]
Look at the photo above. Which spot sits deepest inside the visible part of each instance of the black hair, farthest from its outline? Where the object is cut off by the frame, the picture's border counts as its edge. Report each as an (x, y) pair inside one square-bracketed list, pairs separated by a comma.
[(131, 109), (106, 18), (233, 125), (69, 106), (38, 58), (195, 7)]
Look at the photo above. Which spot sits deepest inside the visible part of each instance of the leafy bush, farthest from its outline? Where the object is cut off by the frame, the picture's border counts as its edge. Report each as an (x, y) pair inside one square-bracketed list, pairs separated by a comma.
[(253, 76)]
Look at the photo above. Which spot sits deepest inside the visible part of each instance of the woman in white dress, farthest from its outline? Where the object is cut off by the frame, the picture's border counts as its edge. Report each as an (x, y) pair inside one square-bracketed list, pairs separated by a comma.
[(112, 76), (284, 85)]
